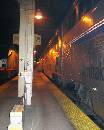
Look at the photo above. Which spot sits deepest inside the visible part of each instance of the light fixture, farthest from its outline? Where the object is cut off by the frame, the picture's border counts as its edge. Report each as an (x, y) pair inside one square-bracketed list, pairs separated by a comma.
[(38, 14), (10, 53), (88, 20)]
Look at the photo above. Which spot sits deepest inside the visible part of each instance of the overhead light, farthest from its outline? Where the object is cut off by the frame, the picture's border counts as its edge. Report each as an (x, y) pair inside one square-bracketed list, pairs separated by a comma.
[(38, 14), (10, 52)]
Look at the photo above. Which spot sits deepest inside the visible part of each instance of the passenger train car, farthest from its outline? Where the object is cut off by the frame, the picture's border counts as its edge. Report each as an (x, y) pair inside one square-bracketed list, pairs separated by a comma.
[(74, 58)]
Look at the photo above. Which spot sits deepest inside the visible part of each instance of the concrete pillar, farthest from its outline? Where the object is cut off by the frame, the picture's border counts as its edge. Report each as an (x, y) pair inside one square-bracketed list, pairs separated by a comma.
[(26, 42)]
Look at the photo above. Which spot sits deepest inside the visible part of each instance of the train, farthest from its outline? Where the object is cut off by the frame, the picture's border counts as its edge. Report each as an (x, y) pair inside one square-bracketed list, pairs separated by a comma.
[(10, 68), (74, 57), (7, 74)]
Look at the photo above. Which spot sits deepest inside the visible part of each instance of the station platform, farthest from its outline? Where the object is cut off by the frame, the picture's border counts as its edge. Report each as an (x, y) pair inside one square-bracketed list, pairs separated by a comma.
[(50, 109), (8, 98), (45, 113)]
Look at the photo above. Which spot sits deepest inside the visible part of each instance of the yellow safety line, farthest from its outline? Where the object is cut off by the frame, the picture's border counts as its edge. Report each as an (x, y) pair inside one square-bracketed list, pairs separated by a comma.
[(79, 119)]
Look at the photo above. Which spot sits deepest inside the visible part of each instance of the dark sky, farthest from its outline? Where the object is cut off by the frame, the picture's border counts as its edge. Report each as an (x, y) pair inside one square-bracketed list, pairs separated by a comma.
[(9, 24), (53, 11)]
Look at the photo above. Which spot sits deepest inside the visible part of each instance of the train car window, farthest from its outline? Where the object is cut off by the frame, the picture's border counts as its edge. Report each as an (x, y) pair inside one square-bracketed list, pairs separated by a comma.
[(70, 21), (90, 3), (66, 23), (81, 8), (65, 26), (73, 18)]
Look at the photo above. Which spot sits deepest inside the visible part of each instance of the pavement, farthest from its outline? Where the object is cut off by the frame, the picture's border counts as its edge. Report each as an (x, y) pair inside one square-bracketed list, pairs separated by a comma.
[(44, 114), (8, 98)]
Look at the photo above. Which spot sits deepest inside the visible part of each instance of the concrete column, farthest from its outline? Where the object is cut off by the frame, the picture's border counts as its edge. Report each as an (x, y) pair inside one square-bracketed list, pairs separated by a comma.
[(22, 52), (26, 41)]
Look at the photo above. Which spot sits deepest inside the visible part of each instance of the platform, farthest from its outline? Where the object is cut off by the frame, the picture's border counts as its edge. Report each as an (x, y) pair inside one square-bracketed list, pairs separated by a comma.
[(50, 109), (8, 98), (45, 112)]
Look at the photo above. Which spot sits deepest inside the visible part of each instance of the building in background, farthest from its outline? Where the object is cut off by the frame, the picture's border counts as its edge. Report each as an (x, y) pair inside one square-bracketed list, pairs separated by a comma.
[(12, 61)]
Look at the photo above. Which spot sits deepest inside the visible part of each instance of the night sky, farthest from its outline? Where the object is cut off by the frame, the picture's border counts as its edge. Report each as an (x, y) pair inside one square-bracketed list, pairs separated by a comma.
[(9, 24), (53, 10)]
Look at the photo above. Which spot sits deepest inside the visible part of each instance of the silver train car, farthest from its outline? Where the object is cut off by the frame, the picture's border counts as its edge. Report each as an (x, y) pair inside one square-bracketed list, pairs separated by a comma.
[(74, 58)]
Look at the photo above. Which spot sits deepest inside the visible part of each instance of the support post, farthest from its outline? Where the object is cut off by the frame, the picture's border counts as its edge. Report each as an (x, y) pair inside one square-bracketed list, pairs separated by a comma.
[(26, 42)]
